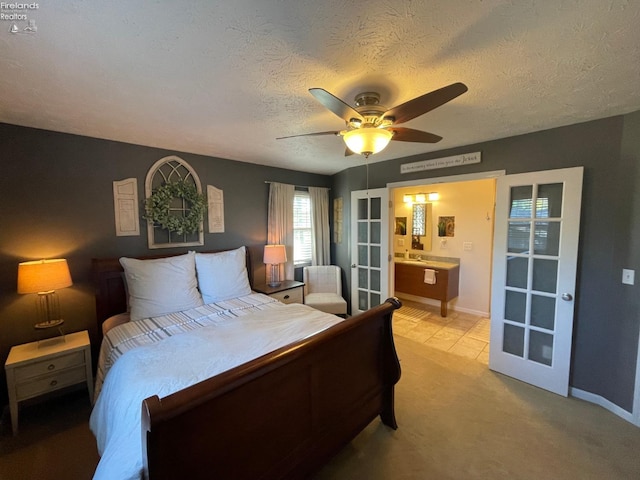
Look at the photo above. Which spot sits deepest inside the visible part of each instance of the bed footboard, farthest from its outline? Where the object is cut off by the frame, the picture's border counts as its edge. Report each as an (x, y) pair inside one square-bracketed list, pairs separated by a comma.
[(282, 415)]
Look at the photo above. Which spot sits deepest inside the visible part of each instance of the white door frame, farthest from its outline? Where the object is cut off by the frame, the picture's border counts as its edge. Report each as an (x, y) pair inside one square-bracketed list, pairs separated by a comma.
[(465, 177), (448, 179)]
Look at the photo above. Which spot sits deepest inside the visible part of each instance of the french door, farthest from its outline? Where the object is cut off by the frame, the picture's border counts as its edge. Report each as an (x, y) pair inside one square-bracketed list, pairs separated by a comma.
[(369, 248), (537, 223)]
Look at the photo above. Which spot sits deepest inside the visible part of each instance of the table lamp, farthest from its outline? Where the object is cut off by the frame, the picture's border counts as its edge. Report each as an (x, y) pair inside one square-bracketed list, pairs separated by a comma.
[(274, 255), (44, 277)]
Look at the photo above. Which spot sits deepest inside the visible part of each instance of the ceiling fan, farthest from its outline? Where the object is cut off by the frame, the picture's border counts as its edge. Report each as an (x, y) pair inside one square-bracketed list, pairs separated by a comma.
[(370, 126)]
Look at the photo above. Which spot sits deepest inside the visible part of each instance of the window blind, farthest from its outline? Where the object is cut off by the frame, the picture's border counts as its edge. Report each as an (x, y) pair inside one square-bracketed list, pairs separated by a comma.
[(302, 240)]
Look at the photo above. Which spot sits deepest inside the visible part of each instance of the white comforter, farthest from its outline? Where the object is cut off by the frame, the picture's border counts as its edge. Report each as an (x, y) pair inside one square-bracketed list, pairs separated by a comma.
[(180, 361)]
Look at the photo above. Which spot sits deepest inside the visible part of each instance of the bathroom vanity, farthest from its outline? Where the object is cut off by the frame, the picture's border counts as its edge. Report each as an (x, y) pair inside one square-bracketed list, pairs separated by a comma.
[(409, 278)]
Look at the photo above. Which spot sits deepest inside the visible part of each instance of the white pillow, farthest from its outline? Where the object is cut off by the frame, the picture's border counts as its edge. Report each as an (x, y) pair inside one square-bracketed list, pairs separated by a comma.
[(222, 275), (162, 285)]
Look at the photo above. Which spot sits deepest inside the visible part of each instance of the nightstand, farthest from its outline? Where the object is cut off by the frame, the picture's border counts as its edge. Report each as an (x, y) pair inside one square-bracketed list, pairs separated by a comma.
[(37, 368), (289, 291)]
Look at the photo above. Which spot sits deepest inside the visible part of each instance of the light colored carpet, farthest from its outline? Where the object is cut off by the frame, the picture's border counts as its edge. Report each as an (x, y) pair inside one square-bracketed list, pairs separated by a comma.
[(457, 420)]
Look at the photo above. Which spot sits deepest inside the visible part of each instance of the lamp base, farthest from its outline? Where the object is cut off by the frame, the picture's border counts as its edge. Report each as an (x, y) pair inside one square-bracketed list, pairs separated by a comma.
[(49, 324), (274, 284)]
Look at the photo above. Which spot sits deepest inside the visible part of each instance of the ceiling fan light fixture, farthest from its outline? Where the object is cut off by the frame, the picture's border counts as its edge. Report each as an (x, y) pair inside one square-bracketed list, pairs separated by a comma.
[(367, 140)]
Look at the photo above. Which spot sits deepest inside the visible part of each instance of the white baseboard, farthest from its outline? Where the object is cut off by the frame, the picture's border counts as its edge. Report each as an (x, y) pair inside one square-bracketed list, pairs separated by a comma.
[(604, 403), (436, 303)]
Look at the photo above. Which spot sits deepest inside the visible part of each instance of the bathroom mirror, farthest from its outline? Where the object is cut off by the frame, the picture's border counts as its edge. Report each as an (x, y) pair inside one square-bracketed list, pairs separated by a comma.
[(422, 224)]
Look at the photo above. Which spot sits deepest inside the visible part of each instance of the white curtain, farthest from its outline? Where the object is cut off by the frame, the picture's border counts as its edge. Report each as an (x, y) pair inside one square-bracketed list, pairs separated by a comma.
[(320, 252), (280, 223)]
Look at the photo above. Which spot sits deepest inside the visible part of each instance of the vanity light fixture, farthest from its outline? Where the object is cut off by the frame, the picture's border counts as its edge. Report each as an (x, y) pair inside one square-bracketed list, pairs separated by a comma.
[(434, 196), (419, 197)]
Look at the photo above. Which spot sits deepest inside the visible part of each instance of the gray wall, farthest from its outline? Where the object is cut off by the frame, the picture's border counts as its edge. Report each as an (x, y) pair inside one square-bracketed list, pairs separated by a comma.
[(606, 323), (56, 196)]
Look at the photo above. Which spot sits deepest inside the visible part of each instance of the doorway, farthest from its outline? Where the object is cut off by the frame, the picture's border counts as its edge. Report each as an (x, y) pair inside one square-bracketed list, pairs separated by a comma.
[(467, 206)]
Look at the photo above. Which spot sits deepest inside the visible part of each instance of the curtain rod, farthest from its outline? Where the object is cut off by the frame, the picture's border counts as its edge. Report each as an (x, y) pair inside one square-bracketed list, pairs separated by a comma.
[(303, 186)]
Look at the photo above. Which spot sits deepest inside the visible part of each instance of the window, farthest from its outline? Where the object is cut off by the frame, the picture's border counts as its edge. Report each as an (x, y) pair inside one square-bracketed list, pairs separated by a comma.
[(302, 240)]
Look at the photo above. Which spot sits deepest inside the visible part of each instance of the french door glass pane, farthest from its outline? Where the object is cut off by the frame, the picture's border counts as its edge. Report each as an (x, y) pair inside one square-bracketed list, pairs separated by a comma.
[(376, 211), (375, 299), (375, 280), (521, 202), (547, 238), (549, 202), (517, 272), (543, 311), (545, 275), (518, 237), (540, 347), (375, 256), (363, 209), (513, 341), (363, 304), (363, 255), (363, 232), (375, 232), (515, 306), (363, 278)]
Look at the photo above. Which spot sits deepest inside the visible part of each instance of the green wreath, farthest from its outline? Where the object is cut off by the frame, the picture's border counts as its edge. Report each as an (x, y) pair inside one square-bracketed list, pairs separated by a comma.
[(158, 211)]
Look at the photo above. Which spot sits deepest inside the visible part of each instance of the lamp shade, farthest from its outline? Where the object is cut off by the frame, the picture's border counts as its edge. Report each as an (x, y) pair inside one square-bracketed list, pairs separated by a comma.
[(274, 254), (43, 275), (367, 140)]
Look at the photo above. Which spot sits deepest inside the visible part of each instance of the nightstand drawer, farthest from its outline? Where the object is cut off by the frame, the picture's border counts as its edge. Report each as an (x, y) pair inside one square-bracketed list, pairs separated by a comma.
[(293, 295), (49, 366), (49, 383)]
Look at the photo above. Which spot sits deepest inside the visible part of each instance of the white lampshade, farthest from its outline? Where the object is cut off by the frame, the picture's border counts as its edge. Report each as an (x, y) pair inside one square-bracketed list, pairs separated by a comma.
[(433, 196), (43, 275), (421, 198), (367, 140), (274, 254)]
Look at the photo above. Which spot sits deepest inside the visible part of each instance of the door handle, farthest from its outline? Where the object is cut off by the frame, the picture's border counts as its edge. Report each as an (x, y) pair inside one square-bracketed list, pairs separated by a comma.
[(567, 297), (353, 265)]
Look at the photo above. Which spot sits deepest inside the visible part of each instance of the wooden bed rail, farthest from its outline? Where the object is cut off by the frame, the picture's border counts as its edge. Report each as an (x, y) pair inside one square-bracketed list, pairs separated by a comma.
[(282, 415)]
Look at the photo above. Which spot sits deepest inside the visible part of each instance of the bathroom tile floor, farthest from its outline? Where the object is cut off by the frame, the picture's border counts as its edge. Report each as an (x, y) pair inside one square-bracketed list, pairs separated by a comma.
[(459, 333)]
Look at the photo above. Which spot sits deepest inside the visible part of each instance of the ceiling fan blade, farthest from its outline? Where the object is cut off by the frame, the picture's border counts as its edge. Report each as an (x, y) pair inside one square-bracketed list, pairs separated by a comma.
[(348, 152), (403, 134), (334, 104), (332, 132), (425, 103)]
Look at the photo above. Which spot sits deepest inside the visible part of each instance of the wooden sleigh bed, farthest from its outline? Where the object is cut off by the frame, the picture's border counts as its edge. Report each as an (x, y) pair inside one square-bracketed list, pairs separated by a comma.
[(282, 415)]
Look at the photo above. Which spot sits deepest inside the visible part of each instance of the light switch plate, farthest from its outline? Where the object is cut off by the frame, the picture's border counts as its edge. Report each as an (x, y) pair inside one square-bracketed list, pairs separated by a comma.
[(467, 246), (628, 276)]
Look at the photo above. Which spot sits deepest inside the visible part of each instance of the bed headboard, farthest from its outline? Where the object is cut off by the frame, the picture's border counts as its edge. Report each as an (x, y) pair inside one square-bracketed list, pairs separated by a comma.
[(108, 279)]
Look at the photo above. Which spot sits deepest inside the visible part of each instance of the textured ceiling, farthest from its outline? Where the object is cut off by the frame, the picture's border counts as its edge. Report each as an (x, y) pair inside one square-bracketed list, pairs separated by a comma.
[(225, 78)]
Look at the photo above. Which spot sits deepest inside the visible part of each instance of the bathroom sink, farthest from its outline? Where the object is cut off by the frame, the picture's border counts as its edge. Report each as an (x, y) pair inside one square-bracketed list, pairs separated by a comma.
[(429, 263), (419, 263)]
